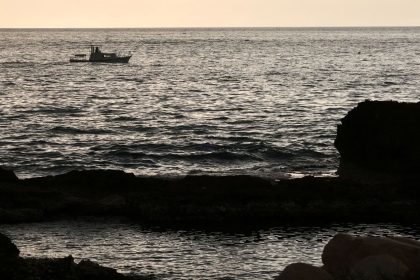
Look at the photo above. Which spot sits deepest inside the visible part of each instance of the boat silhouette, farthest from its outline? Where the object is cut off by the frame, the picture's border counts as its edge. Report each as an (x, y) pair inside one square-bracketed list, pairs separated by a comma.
[(96, 55)]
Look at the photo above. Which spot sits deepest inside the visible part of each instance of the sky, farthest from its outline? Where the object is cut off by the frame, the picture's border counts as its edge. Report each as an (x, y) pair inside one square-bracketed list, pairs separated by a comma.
[(207, 13)]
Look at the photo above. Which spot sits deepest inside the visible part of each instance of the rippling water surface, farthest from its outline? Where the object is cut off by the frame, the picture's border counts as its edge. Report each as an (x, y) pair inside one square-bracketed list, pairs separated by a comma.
[(187, 254), (225, 101)]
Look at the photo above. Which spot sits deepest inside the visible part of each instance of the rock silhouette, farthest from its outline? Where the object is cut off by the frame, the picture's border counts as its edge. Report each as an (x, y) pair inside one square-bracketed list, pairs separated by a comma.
[(8, 250), (12, 267), (302, 271), (344, 252), (380, 137), (362, 258), (7, 176)]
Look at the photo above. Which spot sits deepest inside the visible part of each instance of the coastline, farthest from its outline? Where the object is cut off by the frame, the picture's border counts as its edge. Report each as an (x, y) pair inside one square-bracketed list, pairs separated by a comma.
[(377, 182), (205, 201)]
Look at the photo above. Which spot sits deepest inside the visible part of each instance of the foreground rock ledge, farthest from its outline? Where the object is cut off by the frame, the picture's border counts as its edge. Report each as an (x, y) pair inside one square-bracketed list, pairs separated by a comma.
[(217, 202), (13, 267), (362, 258)]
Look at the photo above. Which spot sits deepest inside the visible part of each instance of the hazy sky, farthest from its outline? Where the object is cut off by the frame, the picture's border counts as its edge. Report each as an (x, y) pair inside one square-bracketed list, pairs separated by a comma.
[(208, 13)]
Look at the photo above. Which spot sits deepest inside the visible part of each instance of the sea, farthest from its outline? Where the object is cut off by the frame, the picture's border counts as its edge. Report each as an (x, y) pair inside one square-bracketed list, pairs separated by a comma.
[(263, 102), (245, 101)]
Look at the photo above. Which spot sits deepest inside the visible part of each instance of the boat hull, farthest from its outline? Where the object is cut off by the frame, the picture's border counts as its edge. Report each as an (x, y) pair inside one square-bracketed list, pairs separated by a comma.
[(122, 59)]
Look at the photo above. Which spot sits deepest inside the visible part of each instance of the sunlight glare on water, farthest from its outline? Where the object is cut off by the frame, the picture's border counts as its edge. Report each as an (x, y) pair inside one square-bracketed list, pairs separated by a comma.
[(263, 102)]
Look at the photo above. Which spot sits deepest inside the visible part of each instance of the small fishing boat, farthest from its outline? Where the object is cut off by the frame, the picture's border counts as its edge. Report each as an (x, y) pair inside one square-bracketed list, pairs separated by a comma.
[(96, 55)]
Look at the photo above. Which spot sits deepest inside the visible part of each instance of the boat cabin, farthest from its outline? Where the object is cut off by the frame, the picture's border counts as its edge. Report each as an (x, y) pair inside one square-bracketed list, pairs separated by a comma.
[(97, 55)]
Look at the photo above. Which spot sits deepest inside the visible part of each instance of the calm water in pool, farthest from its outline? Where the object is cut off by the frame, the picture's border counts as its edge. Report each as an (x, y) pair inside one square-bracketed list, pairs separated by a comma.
[(186, 254)]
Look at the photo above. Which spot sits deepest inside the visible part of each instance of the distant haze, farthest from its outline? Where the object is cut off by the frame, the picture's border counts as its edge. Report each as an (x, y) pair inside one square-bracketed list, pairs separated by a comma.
[(208, 13)]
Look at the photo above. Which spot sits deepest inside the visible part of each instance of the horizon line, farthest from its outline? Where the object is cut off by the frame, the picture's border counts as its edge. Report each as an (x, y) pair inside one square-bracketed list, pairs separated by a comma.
[(223, 27)]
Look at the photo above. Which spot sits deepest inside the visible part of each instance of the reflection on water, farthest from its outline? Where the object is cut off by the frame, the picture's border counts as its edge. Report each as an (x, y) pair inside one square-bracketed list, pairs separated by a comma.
[(186, 254), (264, 102)]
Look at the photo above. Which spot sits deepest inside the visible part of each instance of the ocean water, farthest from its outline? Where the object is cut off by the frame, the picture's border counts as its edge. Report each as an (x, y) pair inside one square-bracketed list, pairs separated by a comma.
[(263, 102), (185, 255)]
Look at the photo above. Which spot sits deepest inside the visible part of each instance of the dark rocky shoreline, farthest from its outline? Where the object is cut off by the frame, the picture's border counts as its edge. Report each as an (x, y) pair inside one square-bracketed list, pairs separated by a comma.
[(203, 201)]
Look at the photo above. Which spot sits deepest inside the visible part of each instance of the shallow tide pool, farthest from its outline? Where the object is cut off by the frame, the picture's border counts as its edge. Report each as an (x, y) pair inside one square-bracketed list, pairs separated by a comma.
[(170, 254)]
